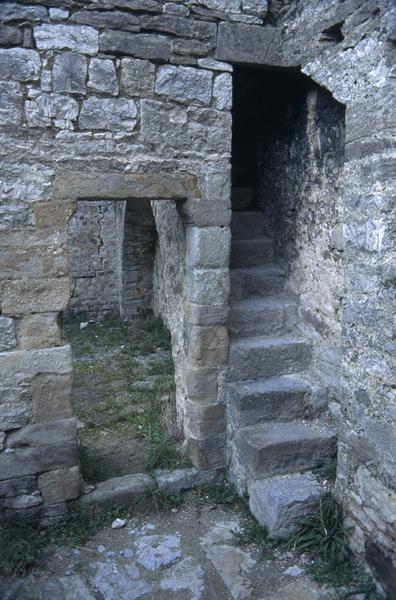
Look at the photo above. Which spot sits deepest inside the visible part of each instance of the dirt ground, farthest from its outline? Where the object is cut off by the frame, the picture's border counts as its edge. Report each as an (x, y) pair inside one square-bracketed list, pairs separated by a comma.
[(123, 396), (190, 553)]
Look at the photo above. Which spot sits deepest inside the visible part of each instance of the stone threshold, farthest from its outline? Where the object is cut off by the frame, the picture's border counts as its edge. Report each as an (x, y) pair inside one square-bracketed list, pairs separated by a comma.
[(123, 490)]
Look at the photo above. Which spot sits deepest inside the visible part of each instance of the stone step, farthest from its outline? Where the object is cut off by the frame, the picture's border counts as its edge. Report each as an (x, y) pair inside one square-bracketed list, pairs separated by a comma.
[(247, 224), (278, 502), (263, 316), (279, 448), (241, 198), (256, 357), (283, 398), (257, 281), (251, 253)]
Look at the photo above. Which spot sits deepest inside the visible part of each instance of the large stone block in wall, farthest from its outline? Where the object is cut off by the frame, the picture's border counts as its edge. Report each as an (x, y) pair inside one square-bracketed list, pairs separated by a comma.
[(141, 45), (242, 43), (10, 35), (28, 363), (108, 113), (19, 64), (35, 295), (39, 331), (184, 84), (137, 77), (10, 103), (55, 432), (208, 247), (66, 37), (28, 461), (51, 397), (60, 485), (69, 73), (203, 419), (213, 285), (11, 11), (207, 346)]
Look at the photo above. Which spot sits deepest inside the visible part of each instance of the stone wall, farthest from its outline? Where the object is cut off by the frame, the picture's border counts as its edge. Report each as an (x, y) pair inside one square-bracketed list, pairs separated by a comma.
[(93, 240), (127, 100)]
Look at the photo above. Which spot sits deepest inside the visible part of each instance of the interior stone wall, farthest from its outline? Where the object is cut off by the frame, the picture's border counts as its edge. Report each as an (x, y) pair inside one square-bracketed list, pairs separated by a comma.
[(117, 100), (299, 189), (93, 237)]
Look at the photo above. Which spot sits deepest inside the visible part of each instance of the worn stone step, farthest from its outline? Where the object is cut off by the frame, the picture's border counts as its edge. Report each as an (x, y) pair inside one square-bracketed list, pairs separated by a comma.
[(283, 398), (279, 448), (256, 357), (247, 224), (278, 502), (251, 253), (257, 281), (241, 198), (263, 316)]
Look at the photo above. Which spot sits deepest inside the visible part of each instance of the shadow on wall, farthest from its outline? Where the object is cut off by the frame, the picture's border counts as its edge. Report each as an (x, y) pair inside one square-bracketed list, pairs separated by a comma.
[(111, 247)]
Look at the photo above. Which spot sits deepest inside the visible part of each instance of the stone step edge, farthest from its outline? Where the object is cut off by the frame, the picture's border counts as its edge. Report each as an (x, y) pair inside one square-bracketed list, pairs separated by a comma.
[(123, 490)]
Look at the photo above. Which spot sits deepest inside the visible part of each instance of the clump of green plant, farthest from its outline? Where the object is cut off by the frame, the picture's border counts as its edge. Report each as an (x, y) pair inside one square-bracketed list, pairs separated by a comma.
[(323, 536), (327, 470), (218, 493), (22, 542)]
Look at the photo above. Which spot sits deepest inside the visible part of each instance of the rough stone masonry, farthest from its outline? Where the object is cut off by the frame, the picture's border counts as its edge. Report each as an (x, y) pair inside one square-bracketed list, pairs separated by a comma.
[(130, 100)]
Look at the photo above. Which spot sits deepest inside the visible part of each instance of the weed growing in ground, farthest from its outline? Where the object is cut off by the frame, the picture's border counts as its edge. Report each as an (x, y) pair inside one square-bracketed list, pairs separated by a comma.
[(218, 493), (327, 470), (23, 542)]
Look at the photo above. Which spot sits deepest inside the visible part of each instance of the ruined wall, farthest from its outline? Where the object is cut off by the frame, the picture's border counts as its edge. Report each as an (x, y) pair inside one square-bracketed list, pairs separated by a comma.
[(93, 236), (121, 100)]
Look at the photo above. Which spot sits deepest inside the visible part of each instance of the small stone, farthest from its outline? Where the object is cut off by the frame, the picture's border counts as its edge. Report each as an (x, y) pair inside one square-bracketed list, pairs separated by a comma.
[(156, 551), (137, 77), (294, 571), (7, 332), (222, 91), (184, 84), (100, 549), (118, 523), (41, 111), (19, 64), (58, 14), (84, 325), (69, 73), (102, 76), (108, 113)]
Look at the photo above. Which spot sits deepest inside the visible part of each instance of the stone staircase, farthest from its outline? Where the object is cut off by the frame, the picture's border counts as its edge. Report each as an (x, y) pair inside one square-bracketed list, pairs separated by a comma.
[(277, 438)]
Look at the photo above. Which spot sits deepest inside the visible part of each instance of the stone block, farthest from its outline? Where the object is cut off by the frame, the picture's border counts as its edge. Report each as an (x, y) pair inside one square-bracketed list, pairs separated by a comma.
[(109, 19), (102, 76), (54, 216), (214, 207), (58, 14), (18, 64), (204, 314), (11, 11), (203, 419), (214, 65), (29, 363), (184, 84), (108, 113), (119, 490), (201, 382), (208, 247), (172, 8), (51, 397), (39, 331), (20, 486), (33, 261), (259, 8), (69, 73), (60, 485), (22, 502), (50, 109), (213, 285), (35, 296), (178, 26), (208, 452), (119, 185), (141, 45), (10, 35), (7, 334), (222, 91), (43, 434), (36, 460), (240, 43), (207, 346), (15, 408), (66, 37), (278, 502), (137, 77)]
